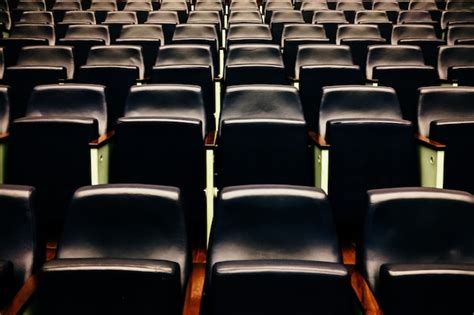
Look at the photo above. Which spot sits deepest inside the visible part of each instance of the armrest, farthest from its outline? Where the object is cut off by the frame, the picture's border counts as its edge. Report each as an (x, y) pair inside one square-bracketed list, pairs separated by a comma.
[(318, 140), (364, 294), (210, 140), (22, 297), (430, 143), (102, 140)]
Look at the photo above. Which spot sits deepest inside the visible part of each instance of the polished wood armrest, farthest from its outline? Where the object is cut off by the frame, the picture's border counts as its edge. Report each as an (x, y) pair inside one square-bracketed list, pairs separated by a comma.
[(102, 140), (22, 297), (4, 136), (210, 141), (318, 140), (364, 294), (429, 143)]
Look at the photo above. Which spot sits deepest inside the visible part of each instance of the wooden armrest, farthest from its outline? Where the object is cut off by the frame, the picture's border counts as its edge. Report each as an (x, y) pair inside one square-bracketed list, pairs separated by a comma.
[(210, 141), (4, 136), (318, 140), (22, 297), (364, 294), (429, 143), (102, 140)]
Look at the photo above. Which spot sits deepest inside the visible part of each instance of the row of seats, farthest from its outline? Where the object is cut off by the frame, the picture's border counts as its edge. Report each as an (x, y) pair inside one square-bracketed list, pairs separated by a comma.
[(362, 143), (273, 250)]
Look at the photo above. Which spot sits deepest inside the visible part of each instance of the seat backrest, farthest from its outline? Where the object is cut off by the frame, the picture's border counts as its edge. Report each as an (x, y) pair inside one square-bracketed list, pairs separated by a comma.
[(121, 17), (423, 5), (4, 109), (117, 55), (418, 16), (350, 5), (444, 103), (456, 17), (405, 31), (34, 31), (48, 56), (249, 33), (357, 31), (36, 17), (327, 54), (103, 6), (415, 226), (182, 55), (459, 5), (31, 6), (142, 31), (329, 17), (160, 17), (67, 5), (126, 221), (390, 55), (357, 102), (458, 33), (365, 17), (195, 31), (166, 101), (138, 6), (82, 17), (265, 54), (100, 32), (71, 100), (303, 31), (254, 218), (386, 5), (451, 56), (20, 244), (286, 17)]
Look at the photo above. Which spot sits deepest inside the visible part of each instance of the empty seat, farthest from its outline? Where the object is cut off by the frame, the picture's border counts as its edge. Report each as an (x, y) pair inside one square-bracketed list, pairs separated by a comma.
[(415, 252), (36, 17), (262, 137), (430, 6), (71, 115), (460, 35), (295, 35), (423, 36), (101, 9), (116, 20), (330, 20), (359, 38), (142, 9), (140, 263), (322, 65), (280, 19), (149, 37), (248, 17), (117, 67), (215, 6), (456, 17), (206, 17), (350, 8), (37, 65), (456, 64), (379, 18), (23, 6), (254, 64), (243, 6), (348, 117), (252, 268), (201, 34), (175, 117), (403, 68), (61, 7), (273, 6), (249, 34), (459, 5), (181, 8), (20, 254), (74, 18), (446, 115), (391, 7), (188, 64), (309, 7), (167, 20)]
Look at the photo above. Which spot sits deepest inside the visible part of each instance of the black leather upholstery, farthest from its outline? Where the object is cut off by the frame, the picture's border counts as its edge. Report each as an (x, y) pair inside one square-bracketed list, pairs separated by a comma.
[(254, 64), (371, 147), (262, 139), (20, 251), (249, 34), (50, 139), (408, 233), (452, 60), (139, 262), (445, 116), (322, 65), (188, 64), (460, 34), (277, 246), (4, 108), (401, 67), (280, 19)]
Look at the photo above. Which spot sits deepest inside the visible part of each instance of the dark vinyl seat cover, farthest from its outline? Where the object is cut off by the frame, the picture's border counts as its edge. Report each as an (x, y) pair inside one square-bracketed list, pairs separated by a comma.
[(374, 17), (280, 19), (36, 17), (174, 117), (460, 34), (117, 67), (37, 65), (245, 17), (262, 137), (446, 115), (456, 63), (416, 251), (115, 20), (370, 147), (123, 249), (20, 252), (74, 18), (249, 34), (322, 65), (254, 64), (456, 17), (60, 122), (273, 250), (168, 21), (403, 68), (188, 64), (330, 20)]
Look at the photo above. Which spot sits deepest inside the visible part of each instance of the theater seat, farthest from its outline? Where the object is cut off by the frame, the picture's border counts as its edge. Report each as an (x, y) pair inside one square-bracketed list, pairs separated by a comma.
[(280, 19), (416, 253), (123, 249), (460, 35), (168, 21), (20, 253), (274, 250), (101, 9), (180, 7), (53, 140), (456, 64), (309, 7), (74, 18), (330, 20), (116, 20), (374, 17), (36, 17), (391, 7), (249, 34)]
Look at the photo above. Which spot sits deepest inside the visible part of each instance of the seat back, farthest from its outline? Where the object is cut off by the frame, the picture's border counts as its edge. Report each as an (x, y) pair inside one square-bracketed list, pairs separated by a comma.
[(452, 59)]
